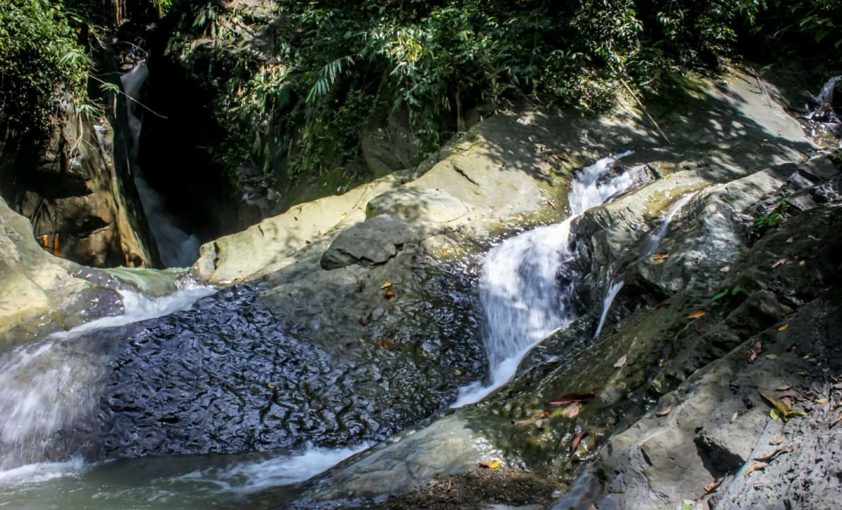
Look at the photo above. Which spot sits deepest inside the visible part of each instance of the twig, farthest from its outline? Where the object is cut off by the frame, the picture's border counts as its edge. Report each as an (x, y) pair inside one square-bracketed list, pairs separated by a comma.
[(645, 111), (150, 110)]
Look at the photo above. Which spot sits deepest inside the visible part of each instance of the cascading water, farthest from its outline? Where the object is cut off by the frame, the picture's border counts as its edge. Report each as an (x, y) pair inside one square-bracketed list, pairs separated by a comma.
[(606, 305), (177, 247), (519, 291), (49, 388), (658, 234), (652, 244)]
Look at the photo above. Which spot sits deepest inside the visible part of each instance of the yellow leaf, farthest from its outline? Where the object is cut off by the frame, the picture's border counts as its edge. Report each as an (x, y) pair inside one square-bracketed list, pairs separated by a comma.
[(386, 285), (698, 314), (773, 413), (781, 408), (490, 464), (783, 328)]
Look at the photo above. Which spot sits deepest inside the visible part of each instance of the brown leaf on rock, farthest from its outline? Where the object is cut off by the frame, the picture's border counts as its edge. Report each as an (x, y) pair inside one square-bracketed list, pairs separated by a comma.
[(620, 363), (660, 257), (760, 466), (698, 314), (571, 398), (577, 440), (754, 351), (822, 401), (665, 412), (783, 409), (712, 486), (773, 454)]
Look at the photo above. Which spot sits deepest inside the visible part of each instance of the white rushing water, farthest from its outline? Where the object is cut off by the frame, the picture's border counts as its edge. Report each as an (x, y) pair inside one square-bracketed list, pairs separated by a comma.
[(519, 291), (660, 231), (176, 246), (51, 388), (606, 304)]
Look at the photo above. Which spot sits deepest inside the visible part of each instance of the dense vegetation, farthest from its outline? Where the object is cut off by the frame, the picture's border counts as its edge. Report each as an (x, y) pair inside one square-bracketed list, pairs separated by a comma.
[(294, 83)]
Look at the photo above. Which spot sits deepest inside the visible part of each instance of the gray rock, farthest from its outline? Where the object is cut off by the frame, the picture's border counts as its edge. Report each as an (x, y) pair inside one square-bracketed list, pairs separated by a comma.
[(369, 243)]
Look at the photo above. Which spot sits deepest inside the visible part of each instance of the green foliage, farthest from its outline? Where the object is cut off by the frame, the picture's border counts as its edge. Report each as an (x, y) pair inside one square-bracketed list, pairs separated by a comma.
[(774, 217), (39, 56), (299, 106)]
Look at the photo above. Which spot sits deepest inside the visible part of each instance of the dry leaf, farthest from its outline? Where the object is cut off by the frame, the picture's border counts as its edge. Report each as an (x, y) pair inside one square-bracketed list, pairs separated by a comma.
[(712, 486), (837, 420), (779, 263), (725, 269), (386, 285), (571, 398), (490, 464), (782, 408), (390, 294), (772, 357), (785, 387), (660, 257), (754, 351), (822, 401), (783, 328), (661, 414), (735, 416), (776, 442), (577, 441), (698, 314), (572, 410), (760, 466), (774, 453), (621, 362)]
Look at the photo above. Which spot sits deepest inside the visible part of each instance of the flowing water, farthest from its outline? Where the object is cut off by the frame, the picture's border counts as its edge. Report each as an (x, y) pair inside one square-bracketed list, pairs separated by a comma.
[(176, 246), (520, 293), (606, 305)]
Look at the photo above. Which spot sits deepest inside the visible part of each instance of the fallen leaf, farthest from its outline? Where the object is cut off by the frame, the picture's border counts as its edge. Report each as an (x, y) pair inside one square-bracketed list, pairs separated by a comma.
[(774, 414), (776, 442), (621, 362), (725, 269), (772, 357), (490, 464), (660, 257), (783, 409), (712, 486), (774, 453), (661, 414), (822, 401), (779, 263), (698, 314), (785, 387), (837, 420), (735, 416), (570, 398), (577, 441), (390, 294), (572, 410), (783, 328), (386, 285), (754, 351), (760, 466)]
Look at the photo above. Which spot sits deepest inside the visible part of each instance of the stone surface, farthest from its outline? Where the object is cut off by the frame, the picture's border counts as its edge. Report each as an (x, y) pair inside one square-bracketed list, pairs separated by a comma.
[(80, 198)]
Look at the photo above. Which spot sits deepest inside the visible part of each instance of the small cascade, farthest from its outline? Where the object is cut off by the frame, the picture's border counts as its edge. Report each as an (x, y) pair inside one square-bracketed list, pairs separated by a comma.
[(51, 388), (176, 246), (606, 304), (657, 235), (823, 117), (519, 289)]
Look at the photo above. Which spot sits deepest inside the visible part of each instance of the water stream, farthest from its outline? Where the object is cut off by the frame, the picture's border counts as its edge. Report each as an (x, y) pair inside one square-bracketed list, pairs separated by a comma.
[(520, 293), (176, 246)]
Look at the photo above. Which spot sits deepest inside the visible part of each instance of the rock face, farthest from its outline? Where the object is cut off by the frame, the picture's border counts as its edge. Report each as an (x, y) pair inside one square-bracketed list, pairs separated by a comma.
[(81, 204), (39, 290)]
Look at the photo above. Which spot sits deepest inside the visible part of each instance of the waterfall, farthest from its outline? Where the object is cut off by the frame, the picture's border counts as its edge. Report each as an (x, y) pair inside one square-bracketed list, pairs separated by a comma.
[(50, 389), (176, 246), (606, 304), (519, 289), (656, 236)]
